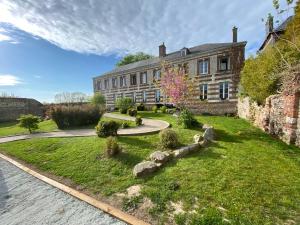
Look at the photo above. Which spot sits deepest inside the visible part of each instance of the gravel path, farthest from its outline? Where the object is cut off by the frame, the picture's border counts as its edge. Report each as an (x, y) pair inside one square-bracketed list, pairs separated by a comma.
[(149, 126), (25, 199)]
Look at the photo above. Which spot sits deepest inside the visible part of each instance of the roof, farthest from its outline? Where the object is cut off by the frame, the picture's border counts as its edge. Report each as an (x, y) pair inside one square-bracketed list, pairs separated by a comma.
[(281, 28), (204, 48)]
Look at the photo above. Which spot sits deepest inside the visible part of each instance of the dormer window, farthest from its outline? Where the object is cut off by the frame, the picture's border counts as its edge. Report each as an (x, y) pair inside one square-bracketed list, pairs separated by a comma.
[(184, 52), (224, 64)]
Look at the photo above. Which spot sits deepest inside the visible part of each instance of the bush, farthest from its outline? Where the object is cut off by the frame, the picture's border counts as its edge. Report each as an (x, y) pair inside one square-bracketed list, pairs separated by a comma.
[(107, 128), (138, 121), (125, 125), (140, 107), (154, 109), (98, 99), (29, 122), (187, 120), (168, 138), (123, 104), (74, 116), (163, 109), (112, 147), (132, 112), (170, 111)]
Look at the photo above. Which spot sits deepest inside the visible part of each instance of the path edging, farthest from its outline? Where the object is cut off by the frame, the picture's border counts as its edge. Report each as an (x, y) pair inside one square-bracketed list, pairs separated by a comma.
[(77, 194)]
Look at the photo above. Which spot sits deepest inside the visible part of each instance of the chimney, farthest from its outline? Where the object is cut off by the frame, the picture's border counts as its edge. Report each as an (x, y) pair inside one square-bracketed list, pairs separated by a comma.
[(162, 50), (269, 25), (234, 34)]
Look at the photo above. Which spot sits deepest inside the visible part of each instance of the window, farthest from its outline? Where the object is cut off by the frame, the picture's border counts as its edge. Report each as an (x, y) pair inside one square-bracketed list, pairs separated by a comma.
[(157, 96), (134, 97), (143, 78), (203, 66), (113, 97), (122, 95), (224, 90), (144, 96), (183, 52), (224, 64), (122, 81), (203, 91), (114, 82), (99, 85), (133, 79), (106, 83), (156, 74)]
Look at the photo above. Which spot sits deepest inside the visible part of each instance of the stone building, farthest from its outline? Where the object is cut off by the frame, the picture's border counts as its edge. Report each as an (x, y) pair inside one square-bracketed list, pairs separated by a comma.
[(215, 69)]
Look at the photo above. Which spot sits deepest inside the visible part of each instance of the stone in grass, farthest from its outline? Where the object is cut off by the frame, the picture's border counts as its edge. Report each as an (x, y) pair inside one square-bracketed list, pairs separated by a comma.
[(145, 168), (179, 153), (209, 134), (160, 157), (197, 138)]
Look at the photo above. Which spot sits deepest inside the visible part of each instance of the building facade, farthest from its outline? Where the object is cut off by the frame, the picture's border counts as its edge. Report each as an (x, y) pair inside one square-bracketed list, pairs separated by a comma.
[(214, 68)]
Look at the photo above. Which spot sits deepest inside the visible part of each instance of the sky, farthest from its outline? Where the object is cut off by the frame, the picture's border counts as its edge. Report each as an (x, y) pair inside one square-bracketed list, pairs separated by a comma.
[(48, 47)]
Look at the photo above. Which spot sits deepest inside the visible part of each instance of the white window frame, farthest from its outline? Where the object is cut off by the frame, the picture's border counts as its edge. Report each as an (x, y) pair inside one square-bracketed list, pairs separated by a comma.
[(222, 95), (157, 74), (143, 78), (202, 91), (106, 84), (123, 81), (203, 66), (228, 63), (144, 96), (134, 96), (157, 95)]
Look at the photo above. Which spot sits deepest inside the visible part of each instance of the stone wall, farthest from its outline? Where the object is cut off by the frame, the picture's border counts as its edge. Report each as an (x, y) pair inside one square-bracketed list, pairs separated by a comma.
[(12, 108), (279, 117)]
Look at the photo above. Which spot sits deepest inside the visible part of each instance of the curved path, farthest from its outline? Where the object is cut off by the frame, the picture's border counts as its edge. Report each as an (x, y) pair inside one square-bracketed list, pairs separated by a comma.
[(149, 126)]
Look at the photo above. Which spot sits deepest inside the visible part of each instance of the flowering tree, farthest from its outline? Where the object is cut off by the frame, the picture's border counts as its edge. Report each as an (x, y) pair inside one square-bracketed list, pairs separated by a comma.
[(175, 85)]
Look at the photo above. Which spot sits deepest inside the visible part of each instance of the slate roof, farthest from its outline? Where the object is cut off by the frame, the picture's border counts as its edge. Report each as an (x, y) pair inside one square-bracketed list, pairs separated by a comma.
[(174, 55)]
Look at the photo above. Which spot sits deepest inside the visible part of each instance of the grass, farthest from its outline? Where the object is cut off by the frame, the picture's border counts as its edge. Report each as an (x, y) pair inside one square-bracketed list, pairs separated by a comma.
[(12, 128), (247, 176)]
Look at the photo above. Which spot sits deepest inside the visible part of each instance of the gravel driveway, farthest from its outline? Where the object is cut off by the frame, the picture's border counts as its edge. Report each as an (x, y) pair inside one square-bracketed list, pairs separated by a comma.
[(26, 200)]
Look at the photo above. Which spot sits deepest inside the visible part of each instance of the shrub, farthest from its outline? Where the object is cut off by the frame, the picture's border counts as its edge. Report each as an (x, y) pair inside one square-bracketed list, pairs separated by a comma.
[(98, 99), (73, 116), (125, 125), (138, 121), (140, 107), (168, 138), (123, 104), (29, 122), (107, 128), (112, 147), (170, 111), (163, 109), (187, 120), (154, 109), (132, 112)]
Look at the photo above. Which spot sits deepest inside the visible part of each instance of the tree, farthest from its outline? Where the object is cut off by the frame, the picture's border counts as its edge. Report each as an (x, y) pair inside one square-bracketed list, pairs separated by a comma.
[(131, 58), (176, 85), (98, 99), (123, 104), (71, 97), (29, 122)]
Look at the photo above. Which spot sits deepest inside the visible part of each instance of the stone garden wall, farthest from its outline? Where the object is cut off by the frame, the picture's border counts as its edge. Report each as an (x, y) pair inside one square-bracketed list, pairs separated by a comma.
[(12, 108), (280, 116)]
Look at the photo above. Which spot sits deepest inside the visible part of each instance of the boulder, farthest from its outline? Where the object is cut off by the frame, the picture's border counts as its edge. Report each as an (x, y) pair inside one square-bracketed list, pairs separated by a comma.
[(209, 134), (160, 157), (179, 153), (145, 168), (197, 138)]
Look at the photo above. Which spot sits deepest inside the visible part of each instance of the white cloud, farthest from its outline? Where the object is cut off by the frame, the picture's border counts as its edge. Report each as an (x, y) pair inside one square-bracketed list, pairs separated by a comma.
[(9, 80), (120, 26), (4, 37)]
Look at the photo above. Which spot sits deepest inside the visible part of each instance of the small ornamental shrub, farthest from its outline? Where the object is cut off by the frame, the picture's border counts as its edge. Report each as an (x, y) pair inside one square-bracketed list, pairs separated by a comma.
[(29, 122), (163, 109), (187, 120), (154, 109), (107, 128), (138, 121), (123, 104), (140, 107), (112, 147), (168, 138), (132, 112), (125, 125), (75, 116)]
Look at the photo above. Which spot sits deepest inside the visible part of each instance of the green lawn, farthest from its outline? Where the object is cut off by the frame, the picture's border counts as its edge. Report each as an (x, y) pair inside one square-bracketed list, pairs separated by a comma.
[(247, 176), (12, 128)]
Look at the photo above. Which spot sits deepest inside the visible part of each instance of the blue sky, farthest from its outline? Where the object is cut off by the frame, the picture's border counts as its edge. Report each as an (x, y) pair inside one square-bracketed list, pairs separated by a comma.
[(48, 47)]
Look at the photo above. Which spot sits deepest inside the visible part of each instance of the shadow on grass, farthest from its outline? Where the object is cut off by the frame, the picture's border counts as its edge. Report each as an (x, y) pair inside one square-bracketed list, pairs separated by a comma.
[(127, 159), (8, 124)]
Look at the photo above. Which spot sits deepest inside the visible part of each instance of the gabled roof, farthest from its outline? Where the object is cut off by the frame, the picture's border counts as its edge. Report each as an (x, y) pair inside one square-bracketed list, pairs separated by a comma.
[(280, 29), (204, 48)]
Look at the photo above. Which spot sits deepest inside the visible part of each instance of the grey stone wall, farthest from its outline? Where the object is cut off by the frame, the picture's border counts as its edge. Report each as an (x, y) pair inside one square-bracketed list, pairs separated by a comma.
[(12, 108)]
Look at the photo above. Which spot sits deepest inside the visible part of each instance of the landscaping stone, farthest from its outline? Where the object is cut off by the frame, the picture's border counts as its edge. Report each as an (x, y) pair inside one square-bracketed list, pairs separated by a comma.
[(160, 157), (145, 168), (197, 138), (134, 190), (209, 134), (179, 153)]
